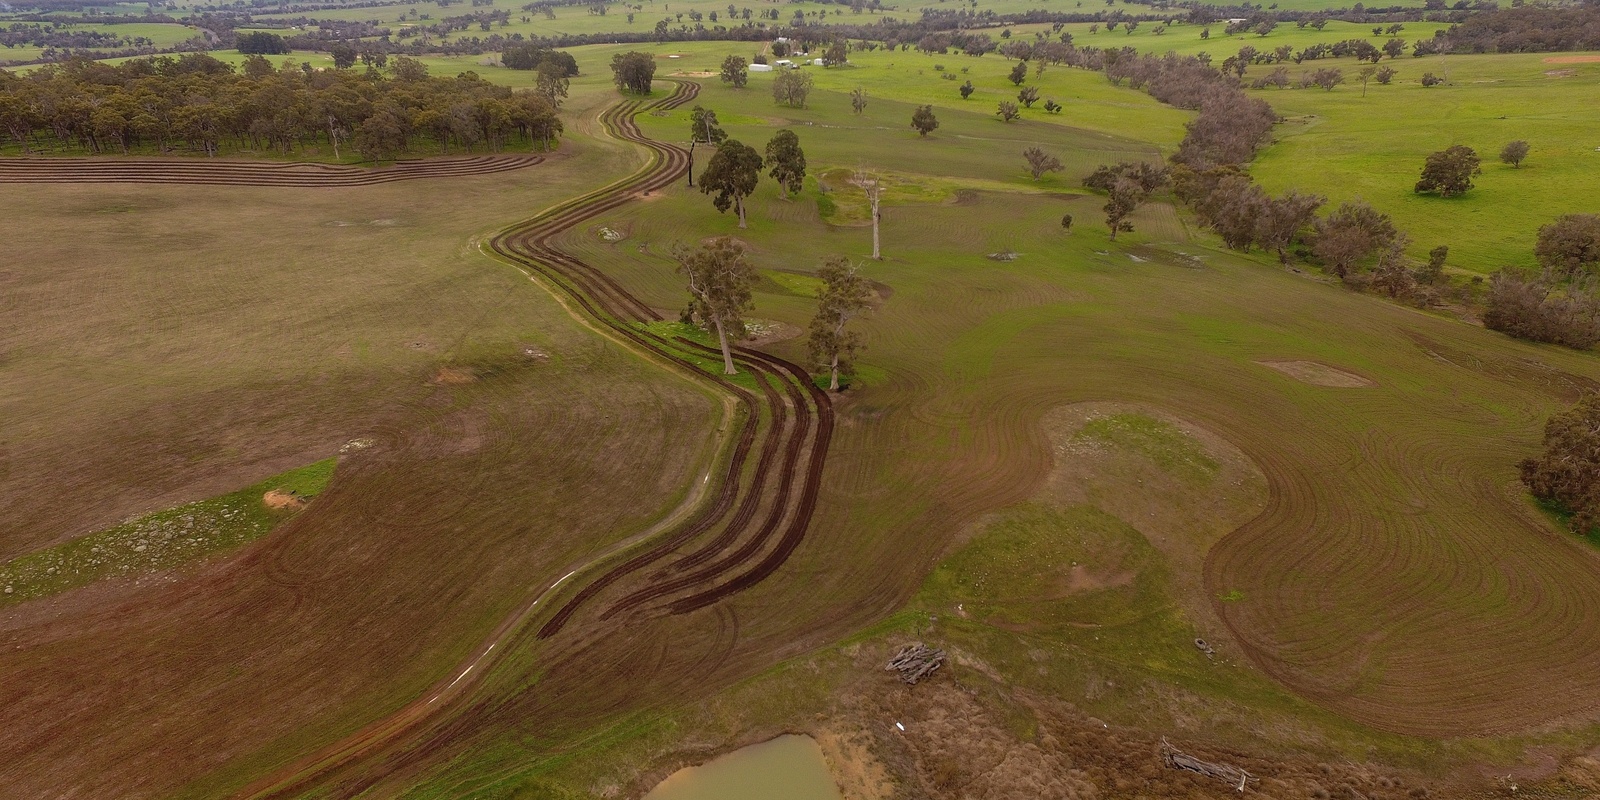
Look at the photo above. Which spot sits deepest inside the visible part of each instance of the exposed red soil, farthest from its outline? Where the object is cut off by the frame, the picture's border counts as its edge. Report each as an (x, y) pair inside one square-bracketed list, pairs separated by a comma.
[(279, 499)]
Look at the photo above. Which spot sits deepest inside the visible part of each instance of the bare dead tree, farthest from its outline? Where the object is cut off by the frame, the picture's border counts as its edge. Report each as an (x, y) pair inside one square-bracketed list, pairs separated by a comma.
[(873, 188)]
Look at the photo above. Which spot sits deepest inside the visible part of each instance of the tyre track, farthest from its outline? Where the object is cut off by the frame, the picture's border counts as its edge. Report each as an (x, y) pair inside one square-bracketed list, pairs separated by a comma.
[(778, 429)]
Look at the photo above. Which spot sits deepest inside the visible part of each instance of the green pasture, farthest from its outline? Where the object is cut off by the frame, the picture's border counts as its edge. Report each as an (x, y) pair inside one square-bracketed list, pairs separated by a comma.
[(977, 346), (161, 34), (1379, 595), (1184, 38), (944, 445), (1346, 146), (576, 19)]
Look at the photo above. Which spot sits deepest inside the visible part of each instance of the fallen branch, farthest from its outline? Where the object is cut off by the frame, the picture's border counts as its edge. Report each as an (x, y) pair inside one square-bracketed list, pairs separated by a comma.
[(1177, 759), (915, 662)]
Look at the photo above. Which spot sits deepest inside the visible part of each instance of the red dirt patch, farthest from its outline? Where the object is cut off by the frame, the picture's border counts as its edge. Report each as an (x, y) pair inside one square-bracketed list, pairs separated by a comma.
[(453, 376), (279, 499)]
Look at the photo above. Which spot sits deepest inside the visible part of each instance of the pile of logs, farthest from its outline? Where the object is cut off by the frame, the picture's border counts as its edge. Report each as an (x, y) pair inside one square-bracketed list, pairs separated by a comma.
[(915, 662), (1177, 759)]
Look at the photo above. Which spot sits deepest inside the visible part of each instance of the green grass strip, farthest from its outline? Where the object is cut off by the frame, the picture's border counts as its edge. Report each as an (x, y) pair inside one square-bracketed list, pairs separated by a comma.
[(160, 540)]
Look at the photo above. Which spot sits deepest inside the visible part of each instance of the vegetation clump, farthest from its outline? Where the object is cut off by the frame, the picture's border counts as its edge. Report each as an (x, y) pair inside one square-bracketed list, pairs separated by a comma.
[(633, 71), (1567, 473), (1536, 310), (1449, 172)]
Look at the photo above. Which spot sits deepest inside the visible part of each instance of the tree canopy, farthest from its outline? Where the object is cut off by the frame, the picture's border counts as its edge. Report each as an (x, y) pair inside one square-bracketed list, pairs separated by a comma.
[(633, 71), (1040, 162), (206, 104), (791, 87), (924, 121), (732, 176), (1567, 473), (1514, 153), (720, 282), (1449, 172), (788, 162), (1354, 231), (735, 72), (1570, 245), (844, 295), (1127, 185)]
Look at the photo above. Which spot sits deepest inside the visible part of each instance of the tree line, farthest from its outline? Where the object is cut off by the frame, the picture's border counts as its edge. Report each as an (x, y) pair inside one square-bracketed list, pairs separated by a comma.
[(198, 103), (1524, 29)]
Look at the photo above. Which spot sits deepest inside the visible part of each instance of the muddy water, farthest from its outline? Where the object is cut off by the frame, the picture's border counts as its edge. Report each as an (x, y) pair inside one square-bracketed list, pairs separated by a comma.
[(785, 768)]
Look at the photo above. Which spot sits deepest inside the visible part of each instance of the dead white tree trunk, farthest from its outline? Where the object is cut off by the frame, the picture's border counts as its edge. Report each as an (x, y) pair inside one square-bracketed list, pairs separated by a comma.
[(874, 191)]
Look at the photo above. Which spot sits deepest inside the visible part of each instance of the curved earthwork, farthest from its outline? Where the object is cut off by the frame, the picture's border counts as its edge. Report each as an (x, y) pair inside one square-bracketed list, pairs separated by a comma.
[(730, 532), (759, 509)]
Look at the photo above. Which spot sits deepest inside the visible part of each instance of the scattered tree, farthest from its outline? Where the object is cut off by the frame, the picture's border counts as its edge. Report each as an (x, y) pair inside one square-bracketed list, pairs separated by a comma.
[(1052, 106), (1019, 73), (843, 296), (788, 162), (344, 55), (1449, 172), (720, 283), (966, 90), (1040, 162), (1567, 473), (836, 54), (1028, 96), (1365, 75), (1385, 74), (703, 129), (1127, 186), (633, 71), (1570, 245), (1066, 222), (735, 72), (1433, 272), (1008, 111), (873, 189), (924, 121), (732, 175), (552, 82), (1514, 152), (1430, 79), (791, 87), (858, 99)]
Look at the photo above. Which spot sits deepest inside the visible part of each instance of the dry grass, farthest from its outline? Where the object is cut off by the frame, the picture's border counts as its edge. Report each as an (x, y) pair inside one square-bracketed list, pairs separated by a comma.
[(172, 343)]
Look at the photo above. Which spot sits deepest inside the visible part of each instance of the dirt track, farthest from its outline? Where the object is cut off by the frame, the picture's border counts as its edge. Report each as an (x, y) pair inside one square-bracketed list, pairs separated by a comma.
[(757, 510), (782, 427)]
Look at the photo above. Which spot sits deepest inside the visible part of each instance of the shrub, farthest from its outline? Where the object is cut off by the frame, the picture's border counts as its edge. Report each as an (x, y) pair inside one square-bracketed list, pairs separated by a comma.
[(1530, 309)]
